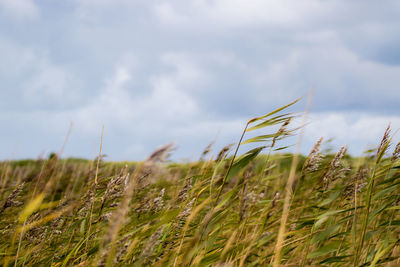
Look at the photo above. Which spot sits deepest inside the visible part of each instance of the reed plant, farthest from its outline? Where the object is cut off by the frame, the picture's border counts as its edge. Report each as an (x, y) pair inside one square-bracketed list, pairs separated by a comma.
[(263, 207)]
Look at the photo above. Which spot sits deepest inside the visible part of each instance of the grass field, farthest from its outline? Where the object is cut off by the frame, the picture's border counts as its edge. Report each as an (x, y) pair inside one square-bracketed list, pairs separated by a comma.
[(261, 208)]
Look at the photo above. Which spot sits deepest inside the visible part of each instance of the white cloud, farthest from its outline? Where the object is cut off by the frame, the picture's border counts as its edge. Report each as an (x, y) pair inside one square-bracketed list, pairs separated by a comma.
[(20, 9), (187, 70), (360, 131), (118, 106), (51, 84), (35, 80), (16, 58), (197, 67), (236, 13), (340, 76), (167, 13)]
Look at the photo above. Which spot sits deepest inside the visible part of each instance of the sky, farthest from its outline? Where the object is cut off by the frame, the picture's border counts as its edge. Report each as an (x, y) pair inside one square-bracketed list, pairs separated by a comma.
[(192, 72)]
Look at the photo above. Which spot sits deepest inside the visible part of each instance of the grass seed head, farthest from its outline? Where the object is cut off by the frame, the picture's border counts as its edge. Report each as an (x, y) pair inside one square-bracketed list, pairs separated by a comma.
[(336, 170), (385, 141), (161, 154), (151, 244), (339, 155), (158, 202), (184, 193), (207, 150), (11, 199), (281, 131), (224, 151), (314, 158), (396, 152)]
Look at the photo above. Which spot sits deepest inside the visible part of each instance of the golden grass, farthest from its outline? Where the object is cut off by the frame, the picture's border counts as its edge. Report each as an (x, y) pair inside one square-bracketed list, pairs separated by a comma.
[(252, 209)]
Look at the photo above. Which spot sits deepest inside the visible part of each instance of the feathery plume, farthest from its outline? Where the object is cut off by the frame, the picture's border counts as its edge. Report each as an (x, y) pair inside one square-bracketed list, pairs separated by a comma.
[(207, 150), (118, 217), (385, 141), (281, 131), (10, 201), (277, 196), (151, 244), (396, 152), (356, 183), (336, 169), (115, 188), (158, 202), (183, 194), (186, 212), (223, 152), (339, 155), (161, 154), (314, 158), (123, 246)]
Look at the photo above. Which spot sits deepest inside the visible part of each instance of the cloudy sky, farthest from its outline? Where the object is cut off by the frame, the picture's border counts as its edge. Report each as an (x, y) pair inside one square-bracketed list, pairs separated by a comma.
[(186, 71)]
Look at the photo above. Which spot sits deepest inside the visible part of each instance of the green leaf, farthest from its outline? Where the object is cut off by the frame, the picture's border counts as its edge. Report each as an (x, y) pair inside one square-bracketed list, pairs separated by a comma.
[(243, 160), (323, 217), (215, 172), (273, 112), (385, 192), (260, 138), (332, 247), (225, 198), (335, 259), (382, 152), (392, 223), (377, 211), (210, 258), (380, 253), (272, 121), (73, 251), (281, 148), (321, 236), (331, 198)]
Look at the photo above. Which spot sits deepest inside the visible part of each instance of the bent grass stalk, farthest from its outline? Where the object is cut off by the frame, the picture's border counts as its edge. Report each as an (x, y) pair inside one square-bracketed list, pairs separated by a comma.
[(94, 187), (205, 213), (380, 152), (288, 192)]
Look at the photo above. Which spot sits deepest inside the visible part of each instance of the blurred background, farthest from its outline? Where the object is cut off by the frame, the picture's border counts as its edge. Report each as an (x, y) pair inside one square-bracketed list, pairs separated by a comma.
[(190, 72)]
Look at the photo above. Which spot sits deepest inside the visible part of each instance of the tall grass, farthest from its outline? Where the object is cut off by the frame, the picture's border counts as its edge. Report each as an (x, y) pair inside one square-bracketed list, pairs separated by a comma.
[(259, 208)]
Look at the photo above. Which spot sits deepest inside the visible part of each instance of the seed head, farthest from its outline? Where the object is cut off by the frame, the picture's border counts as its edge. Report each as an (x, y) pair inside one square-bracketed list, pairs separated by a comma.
[(336, 169), (184, 193), (223, 152), (158, 202), (396, 152), (11, 199), (153, 242), (281, 131), (161, 154), (314, 158), (385, 141), (207, 150), (339, 155)]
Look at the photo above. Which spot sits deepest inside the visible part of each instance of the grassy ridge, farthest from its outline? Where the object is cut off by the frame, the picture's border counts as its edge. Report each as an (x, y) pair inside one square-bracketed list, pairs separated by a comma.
[(234, 210)]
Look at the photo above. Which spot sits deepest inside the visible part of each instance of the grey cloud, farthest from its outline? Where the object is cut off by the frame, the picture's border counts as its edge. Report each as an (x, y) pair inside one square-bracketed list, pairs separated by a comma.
[(155, 71), (19, 10)]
